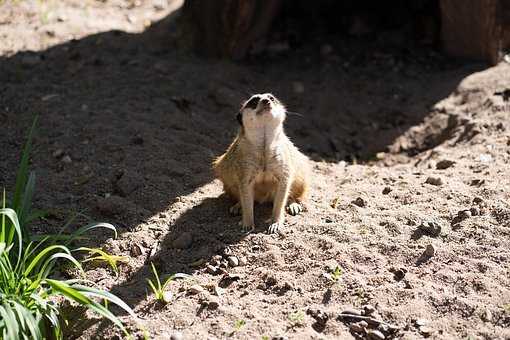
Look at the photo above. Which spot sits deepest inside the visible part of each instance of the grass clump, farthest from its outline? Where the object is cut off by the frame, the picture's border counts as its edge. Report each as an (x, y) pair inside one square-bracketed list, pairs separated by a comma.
[(159, 289), (29, 291), (100, 255)]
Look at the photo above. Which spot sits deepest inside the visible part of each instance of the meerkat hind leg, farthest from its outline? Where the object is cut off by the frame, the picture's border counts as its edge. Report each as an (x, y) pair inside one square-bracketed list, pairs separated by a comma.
[(247, 201)]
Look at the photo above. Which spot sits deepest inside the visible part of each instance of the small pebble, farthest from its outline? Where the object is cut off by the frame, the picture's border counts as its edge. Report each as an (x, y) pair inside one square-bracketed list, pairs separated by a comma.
[(425, 330), (233, 261), (434, 181), (360, 202), (196, 289), (213, 302), (176, 336), (487, 315), (351, 311), (444, 164), (398, 273), (357, 328), (66, 159), (136, 250), (430, 251), (243, 261), (474, 211), (477, 200), (369, 309), (421, 322), (375, 335), (167, 296), (485, 158), (464, 214), (386, 190), (211, 269), (431, 228)]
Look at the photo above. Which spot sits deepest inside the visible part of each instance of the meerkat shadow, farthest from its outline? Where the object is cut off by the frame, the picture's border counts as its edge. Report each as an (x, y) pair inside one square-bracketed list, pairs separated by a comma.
[(203, 230)]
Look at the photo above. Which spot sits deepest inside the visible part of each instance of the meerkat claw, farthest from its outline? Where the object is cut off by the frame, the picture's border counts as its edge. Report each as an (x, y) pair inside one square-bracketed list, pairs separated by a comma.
[(294, 208), (274, 228), (235, 210), (246, 229)]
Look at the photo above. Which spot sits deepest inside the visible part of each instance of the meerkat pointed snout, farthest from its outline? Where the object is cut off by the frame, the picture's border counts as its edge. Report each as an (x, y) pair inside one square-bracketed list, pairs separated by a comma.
[(262, 164)]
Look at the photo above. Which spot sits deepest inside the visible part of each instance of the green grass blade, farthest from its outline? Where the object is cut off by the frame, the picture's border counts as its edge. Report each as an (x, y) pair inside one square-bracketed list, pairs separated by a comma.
[(156, 276), (3, 234), (28, 321), (94, 292), (26, 203), (173, 277), (84, 229), (11, 329), (11, 215), (41, 256), (77, 294), (48, 265), (154, 290), (21, 177), (69, 292)]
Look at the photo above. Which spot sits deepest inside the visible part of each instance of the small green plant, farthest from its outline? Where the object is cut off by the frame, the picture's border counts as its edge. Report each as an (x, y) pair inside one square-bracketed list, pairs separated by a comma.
[(159, 289), (506, 308), (101, 255), (336, 274), (26, 291), (29, 295), (237, 326), (297, 318)]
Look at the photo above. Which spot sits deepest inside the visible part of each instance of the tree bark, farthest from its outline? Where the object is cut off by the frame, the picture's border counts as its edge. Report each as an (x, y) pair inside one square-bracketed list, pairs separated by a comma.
[(226, 28), (477, 29)]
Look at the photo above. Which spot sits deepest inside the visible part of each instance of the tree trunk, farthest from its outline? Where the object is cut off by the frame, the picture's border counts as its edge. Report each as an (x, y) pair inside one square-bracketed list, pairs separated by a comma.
[(478, 29), (226, 28)]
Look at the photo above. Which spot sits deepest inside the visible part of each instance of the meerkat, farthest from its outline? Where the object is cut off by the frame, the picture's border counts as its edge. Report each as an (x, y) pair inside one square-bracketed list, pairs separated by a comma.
[(262, 165)]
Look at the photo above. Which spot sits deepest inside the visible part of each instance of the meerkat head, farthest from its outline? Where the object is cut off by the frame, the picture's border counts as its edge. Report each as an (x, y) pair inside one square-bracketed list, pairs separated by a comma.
[(261, 110)]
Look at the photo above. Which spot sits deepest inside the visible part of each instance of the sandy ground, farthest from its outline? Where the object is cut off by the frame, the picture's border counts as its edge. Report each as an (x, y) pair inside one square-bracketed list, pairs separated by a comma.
[(410, 197)]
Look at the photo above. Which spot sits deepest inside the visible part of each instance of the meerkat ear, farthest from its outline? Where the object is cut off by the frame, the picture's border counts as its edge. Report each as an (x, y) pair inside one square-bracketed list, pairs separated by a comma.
[(240, 118)]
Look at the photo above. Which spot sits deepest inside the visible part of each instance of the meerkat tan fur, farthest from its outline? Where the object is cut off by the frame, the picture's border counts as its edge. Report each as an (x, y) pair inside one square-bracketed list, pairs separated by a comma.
[(263, 165)]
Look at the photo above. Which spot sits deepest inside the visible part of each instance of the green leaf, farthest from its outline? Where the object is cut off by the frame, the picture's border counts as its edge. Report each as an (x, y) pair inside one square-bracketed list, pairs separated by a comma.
[(41, 256), (28, 321), (10, 329), (88, 227), (21, 177), (11, 215), (68, 291), (94, 292), (26, 202)]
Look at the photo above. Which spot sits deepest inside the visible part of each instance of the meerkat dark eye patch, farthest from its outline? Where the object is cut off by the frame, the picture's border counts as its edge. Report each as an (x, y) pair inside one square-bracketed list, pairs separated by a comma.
[(252, 103)]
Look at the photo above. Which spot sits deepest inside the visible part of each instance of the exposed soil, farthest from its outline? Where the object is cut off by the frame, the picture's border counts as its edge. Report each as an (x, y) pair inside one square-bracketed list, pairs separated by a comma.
[(410, 194)]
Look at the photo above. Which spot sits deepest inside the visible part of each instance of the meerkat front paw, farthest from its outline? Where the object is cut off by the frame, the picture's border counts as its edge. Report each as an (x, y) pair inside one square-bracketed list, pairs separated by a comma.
[(246, 228), (235, 210), (275, 227), (294, 208)]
